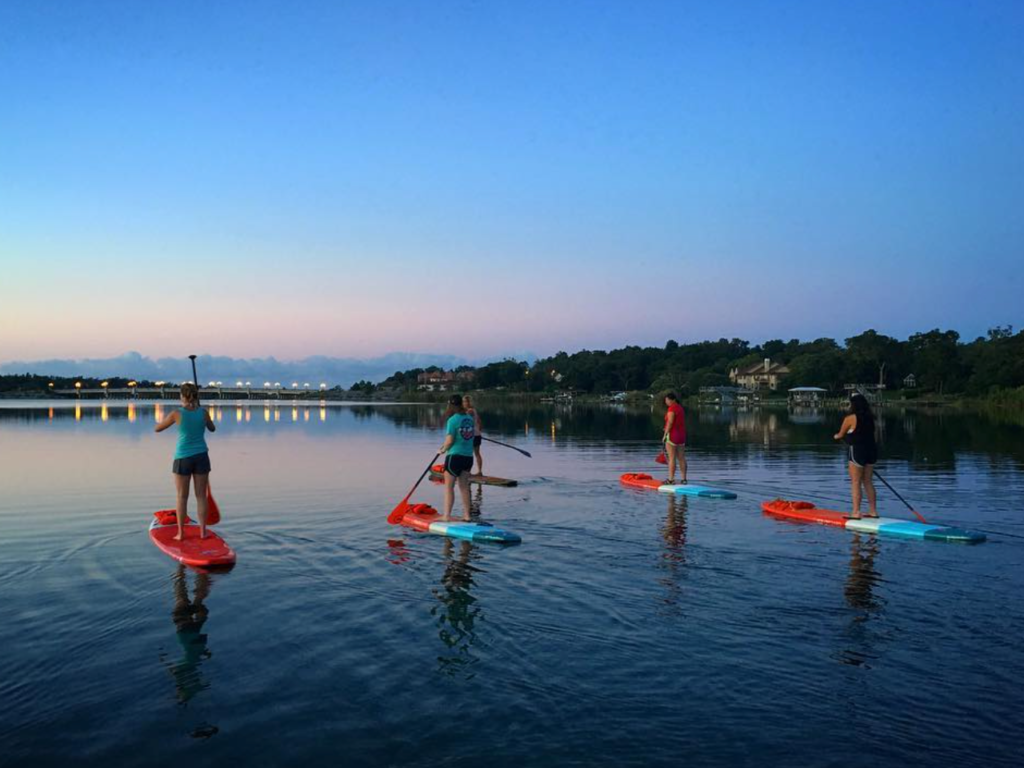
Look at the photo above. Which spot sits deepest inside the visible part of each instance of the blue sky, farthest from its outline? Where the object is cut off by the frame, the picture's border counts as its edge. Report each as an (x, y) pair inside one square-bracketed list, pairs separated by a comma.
[(479, 178)]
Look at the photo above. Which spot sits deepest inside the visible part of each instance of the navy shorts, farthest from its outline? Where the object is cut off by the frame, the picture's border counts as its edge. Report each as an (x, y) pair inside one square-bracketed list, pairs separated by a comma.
[(455, 465), (192, 465), (863, 455)]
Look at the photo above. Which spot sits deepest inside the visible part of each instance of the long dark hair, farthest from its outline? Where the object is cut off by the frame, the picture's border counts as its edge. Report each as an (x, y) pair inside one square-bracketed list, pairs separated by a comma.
[(454, 406), (859, 406)]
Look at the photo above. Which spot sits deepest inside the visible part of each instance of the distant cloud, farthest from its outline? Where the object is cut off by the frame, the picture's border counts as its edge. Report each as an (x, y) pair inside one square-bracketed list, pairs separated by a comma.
[(332, 370)]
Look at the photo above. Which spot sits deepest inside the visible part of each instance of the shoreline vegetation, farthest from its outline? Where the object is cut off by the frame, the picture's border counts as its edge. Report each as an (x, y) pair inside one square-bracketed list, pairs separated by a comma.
[(934, 368)]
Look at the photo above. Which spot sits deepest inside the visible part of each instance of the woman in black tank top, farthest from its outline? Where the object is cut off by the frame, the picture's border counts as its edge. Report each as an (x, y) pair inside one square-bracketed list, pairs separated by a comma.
[(858, 432)]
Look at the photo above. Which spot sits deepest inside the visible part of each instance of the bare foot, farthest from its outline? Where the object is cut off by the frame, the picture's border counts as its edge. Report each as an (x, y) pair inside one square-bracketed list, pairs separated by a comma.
[(179, 537), (466, 520), (446, 518), (202, 533)]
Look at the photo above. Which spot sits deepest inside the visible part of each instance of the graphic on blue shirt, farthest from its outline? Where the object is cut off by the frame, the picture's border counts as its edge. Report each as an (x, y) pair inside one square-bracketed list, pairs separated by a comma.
[(460, 426)]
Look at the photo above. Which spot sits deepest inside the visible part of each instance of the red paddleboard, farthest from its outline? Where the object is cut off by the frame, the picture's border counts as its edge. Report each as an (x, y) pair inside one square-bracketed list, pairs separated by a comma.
[(210, 552), (640, 480), (804, 511)]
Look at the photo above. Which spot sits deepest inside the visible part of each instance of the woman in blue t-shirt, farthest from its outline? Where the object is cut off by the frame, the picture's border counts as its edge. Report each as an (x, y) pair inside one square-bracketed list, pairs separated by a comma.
[(460, 430), (191, 456)]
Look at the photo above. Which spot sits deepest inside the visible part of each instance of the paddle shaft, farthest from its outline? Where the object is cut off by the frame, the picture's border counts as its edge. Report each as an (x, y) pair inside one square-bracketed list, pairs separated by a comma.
[(506, 445), (209, 493), (425, 472), (195, 376), (897, 494)]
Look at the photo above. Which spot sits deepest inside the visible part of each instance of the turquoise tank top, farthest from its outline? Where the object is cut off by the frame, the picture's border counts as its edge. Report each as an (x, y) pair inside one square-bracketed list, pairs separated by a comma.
[(191, 433)]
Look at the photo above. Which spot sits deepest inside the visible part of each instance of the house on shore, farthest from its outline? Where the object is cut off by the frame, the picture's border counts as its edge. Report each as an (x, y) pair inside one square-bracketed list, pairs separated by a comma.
[(766, 375), (442, 381)]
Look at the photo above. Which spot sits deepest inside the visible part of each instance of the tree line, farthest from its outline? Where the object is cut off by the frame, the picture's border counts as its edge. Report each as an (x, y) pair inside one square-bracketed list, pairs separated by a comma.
[(939, 361)]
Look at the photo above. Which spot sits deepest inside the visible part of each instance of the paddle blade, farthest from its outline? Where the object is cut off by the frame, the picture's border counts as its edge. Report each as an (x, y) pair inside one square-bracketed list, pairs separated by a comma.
[(212, 510), (399, 512), (661, 458)]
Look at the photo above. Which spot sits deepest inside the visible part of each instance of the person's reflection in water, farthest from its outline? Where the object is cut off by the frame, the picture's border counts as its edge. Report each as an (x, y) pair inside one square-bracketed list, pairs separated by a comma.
[(673, 554), (189, 617), (458, 612), (861, 597)]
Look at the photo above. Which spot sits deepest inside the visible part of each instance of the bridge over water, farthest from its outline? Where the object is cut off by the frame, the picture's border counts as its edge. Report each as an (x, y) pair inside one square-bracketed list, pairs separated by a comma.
[(171, 392)]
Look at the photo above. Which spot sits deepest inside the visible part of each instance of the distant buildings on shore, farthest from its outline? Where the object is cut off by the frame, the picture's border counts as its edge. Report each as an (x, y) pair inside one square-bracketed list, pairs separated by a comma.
[(442, 381), (766, 375)]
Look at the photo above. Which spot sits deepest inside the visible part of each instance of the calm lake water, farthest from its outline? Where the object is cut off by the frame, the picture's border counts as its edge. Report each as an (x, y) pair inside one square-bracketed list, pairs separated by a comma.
[(628, 628)]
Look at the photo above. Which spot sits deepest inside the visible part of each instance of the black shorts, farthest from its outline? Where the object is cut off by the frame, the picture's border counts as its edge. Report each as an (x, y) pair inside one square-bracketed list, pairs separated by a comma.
[(192, 465), (455, 465), (477, 440), (863, 455)]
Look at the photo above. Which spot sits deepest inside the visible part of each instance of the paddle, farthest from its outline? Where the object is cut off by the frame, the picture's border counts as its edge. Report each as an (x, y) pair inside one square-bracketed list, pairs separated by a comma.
[(919, 517), (498, 442), (212, 510), (403, 506)]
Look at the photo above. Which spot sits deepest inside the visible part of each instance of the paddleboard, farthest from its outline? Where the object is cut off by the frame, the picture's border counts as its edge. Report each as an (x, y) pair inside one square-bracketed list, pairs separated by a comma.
[(210, 552), (424, 518), (804, 511), (437, 473), (643, 480)]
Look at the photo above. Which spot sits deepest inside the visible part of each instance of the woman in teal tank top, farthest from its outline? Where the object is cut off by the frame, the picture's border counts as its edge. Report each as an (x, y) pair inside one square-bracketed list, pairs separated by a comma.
[(191, 456)]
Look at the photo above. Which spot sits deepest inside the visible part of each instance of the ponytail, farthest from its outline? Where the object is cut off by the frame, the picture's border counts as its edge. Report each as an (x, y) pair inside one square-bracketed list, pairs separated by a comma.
[(190, 394)]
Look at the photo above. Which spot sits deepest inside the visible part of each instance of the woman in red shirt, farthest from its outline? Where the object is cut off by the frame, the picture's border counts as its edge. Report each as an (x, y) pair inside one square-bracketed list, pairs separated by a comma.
[(675, 437)]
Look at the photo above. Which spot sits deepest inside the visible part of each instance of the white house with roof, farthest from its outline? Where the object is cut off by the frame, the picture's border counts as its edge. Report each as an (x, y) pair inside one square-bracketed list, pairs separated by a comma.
[(766, 375)]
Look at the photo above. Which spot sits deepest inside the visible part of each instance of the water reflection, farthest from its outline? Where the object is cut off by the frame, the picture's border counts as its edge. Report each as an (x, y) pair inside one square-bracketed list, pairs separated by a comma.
[(859, 592), (804, 415), (672, 563), (863, 576), (457, 611), (189, 616), (928, 441)]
